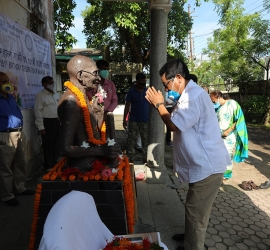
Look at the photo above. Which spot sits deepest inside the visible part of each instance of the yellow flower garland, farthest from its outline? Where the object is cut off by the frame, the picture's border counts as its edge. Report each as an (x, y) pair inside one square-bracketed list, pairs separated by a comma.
[(86, 115)]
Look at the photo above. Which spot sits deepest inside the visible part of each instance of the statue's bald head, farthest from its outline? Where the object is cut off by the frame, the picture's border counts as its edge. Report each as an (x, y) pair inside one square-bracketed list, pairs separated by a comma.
[(83, 72), (78, 63)]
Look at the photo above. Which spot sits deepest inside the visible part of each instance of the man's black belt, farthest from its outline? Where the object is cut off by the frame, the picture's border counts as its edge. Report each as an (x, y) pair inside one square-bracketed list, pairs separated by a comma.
[(12, 130)]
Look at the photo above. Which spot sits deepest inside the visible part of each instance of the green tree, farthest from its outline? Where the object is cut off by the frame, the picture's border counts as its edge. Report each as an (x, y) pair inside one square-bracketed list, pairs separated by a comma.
[(63, 21), (241, 43), (114, 24)]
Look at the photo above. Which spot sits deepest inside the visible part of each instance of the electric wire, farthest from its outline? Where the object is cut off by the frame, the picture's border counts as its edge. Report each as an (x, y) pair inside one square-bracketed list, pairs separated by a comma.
[(202, 36)]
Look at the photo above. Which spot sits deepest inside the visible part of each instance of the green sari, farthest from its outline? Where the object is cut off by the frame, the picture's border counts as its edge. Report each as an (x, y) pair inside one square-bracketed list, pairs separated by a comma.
[(237, 141)]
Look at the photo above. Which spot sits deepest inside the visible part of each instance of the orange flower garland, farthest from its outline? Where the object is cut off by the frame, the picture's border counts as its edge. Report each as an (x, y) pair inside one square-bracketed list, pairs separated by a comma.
[(56, 170), (86, 115), (31, 245), (129, 196)]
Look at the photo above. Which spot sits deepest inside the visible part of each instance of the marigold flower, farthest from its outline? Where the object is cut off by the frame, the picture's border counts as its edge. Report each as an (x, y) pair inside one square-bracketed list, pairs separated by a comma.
[(72, 177), (85, 178), (112, 178), (46, 177), (97, 177)]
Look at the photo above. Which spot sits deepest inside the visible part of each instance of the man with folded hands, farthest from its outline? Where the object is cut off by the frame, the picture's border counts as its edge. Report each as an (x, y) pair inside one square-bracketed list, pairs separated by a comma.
[(199, 155), (12, 146)]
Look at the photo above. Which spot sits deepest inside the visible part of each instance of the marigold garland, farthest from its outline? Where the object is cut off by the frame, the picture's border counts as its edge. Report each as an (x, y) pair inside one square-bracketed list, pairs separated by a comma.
[(123, 174), (31, 245), (86, 115)]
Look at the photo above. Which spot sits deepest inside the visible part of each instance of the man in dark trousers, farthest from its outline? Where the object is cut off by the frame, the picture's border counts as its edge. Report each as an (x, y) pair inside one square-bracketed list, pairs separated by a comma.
[(138, 117), (47, 122), (12, 146), (199, 155)]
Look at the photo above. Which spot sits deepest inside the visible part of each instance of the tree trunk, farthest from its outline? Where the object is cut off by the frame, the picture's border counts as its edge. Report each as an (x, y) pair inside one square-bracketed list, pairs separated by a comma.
[(267, 115)]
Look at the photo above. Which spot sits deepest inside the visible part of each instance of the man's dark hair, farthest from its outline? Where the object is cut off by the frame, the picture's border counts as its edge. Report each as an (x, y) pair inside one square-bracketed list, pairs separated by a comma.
[(102, 63), (45, 79), (140, 76), (193, 77), (174, 67)]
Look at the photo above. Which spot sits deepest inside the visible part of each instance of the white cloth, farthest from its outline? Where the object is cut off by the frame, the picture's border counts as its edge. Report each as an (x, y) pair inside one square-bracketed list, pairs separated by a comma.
[(198, 148), (74, 224), (46, 104)]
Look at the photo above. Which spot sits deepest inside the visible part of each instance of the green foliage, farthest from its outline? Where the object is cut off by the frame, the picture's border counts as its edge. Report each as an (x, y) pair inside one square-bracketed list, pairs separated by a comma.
[(237, 48), (63, 21), (115, 24), (255, 107)]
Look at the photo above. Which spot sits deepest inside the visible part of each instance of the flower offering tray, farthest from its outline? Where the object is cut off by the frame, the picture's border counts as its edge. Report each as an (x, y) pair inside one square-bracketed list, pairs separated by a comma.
[(153, 237), (145, 241)]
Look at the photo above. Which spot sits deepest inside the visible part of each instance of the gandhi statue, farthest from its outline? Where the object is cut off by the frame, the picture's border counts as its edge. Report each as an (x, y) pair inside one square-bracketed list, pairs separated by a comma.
[(82, 121)]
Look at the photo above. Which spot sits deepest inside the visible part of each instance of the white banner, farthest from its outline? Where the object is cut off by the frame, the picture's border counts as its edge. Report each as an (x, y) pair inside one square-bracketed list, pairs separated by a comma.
[(25, 57)]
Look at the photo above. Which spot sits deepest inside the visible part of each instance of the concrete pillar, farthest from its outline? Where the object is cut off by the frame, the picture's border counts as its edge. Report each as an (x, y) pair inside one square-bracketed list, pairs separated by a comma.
[(158, 55)]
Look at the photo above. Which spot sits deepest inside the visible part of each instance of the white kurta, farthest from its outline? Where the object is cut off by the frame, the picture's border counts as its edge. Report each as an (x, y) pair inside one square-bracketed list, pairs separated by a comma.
[(46, 104), (198, 149)]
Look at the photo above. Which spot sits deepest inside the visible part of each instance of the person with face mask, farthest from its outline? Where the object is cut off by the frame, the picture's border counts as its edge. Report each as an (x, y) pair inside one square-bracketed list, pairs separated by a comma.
[(138, 108), (232, 128), (47, 122), (111, 99), (199, 154), (12, 141)]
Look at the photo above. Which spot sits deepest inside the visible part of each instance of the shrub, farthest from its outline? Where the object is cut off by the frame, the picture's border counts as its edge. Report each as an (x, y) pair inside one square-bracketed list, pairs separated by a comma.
[(255, 107)]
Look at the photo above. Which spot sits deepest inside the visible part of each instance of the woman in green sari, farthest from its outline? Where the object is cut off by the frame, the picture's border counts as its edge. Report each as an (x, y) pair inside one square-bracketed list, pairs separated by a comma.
[(232, 128)]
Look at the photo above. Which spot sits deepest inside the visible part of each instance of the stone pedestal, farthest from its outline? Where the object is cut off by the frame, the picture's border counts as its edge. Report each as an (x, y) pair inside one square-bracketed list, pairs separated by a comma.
[(108, 196)]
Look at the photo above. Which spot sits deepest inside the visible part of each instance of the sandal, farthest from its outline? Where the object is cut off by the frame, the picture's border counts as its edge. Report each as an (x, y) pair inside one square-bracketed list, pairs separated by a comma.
[(248, 185), (253, 185), (245, 185)]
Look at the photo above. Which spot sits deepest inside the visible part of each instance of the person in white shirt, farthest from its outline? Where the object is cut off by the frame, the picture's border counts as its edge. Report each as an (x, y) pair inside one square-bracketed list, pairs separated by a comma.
[(199, 155), (47, 122)]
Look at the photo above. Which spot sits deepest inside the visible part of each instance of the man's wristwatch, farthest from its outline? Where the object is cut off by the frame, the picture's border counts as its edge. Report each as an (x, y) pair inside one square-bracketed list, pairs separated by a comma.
[(158, 104)]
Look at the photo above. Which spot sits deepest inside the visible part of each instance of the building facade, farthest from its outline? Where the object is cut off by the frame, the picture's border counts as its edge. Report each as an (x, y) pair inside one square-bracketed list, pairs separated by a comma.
[(32, 19)]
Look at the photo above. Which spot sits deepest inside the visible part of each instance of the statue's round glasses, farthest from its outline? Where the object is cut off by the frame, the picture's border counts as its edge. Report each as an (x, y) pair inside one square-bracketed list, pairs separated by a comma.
[(94, 73)]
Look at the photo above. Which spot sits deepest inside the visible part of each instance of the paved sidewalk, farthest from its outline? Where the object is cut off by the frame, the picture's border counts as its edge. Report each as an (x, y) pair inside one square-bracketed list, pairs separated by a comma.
[(239, 220)]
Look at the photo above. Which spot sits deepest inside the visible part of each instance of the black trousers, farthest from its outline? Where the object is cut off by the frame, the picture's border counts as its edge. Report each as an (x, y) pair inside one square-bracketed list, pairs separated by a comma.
[(50, 141), (168, 131)]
